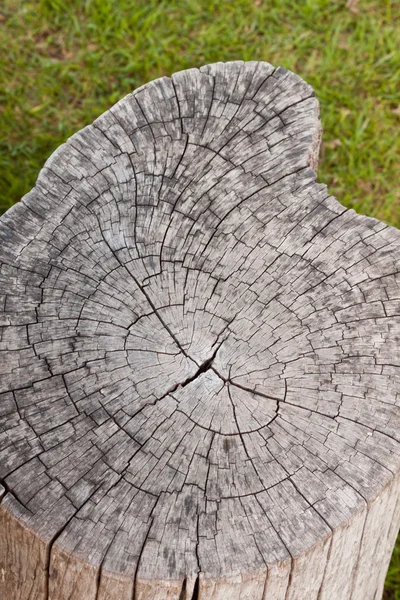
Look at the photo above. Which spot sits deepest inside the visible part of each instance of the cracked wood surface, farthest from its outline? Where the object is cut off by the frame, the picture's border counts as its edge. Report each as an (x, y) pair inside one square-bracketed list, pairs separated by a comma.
[(200, 358)]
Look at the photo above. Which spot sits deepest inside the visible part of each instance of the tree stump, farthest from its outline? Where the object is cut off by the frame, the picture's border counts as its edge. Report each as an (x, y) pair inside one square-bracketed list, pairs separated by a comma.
[(200, 358)]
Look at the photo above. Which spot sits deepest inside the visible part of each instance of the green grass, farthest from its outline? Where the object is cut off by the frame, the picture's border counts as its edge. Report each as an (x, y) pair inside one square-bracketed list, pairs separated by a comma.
[(63, 62), (392, 587)]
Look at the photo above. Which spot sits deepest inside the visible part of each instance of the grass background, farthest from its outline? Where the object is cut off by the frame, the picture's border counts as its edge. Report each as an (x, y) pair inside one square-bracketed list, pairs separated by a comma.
[(63, 62)]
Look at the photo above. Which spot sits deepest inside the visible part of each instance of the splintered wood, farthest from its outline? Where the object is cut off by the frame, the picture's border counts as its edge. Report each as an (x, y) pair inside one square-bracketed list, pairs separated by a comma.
[(200, 358)]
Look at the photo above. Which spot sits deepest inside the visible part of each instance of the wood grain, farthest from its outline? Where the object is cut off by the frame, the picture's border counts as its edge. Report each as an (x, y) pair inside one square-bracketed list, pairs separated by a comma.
[(199, 358)]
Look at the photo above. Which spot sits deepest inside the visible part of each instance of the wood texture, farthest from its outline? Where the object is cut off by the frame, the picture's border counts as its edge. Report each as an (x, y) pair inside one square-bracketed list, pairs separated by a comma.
[(199, 358)]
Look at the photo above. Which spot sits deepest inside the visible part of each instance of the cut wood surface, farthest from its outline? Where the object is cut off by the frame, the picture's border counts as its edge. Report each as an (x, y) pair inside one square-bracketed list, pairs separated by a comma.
[(200, 364)]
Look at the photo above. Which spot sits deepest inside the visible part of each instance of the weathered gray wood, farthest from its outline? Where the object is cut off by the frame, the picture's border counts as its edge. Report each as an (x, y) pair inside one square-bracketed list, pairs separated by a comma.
[(200, 358)]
